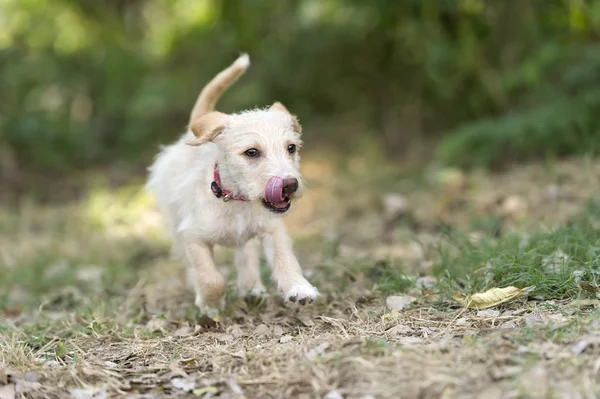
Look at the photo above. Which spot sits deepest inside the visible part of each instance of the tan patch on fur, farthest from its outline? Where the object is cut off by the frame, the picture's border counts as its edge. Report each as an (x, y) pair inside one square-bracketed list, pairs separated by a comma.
[(277, 106), (207, 127)]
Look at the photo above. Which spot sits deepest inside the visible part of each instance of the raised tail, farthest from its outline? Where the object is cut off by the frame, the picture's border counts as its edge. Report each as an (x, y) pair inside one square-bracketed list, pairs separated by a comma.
[(216, 87)]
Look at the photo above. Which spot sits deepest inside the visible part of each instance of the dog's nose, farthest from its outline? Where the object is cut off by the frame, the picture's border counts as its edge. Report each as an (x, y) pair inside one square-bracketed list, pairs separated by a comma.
[(290, 186)]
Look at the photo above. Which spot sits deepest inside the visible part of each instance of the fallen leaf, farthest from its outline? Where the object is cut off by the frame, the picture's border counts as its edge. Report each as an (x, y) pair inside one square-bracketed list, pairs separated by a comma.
[(185, 384), (177, 370), (23, 386), (183, 331), (156, 324), (277, 331), (427, 331), (307, 321), (51, 363), (189, 361), (7, 391), (579, 346), (584, 343), (396, 303), (426, 282), (242, 304), (333, 395), (31, 376), (535, 320), (208, 322), (91, 393), (591, 288), (236, 331), (488, 313), (221, 337), (582, 303), (492, 297), (508, 324), (315, 352), (411, 340), (262, 329), (15, 311), (204, 390), (285, 339), (241, 354), (400, 329)]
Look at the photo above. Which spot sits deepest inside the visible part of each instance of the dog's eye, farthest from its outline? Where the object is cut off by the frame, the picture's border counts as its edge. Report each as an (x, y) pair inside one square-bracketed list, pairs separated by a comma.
[(292, 148), (252, 153)]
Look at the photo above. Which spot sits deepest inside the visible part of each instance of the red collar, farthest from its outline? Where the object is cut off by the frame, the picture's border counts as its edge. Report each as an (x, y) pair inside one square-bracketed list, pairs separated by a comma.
[(219, 192)]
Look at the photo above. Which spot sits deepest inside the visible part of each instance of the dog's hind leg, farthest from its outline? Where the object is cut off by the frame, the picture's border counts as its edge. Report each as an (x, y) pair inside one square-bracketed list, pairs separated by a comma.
[(247, 262), (208, 283)]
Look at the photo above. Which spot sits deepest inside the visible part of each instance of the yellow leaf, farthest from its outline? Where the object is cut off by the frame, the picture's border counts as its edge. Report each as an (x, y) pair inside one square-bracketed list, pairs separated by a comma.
[(492, 297), (204, 390)]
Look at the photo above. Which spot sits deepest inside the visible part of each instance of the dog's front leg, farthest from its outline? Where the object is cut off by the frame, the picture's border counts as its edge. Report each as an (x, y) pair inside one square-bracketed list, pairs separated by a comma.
[(286, 269), (208, 283), (247, 262)]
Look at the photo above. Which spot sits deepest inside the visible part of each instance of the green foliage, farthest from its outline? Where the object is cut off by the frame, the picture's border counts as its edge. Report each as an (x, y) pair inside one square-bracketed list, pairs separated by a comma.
[(556, 116), (86, 83)]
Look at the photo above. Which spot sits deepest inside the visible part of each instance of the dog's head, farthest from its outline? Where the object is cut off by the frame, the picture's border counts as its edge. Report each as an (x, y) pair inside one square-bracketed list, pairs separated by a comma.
[(259, 153)]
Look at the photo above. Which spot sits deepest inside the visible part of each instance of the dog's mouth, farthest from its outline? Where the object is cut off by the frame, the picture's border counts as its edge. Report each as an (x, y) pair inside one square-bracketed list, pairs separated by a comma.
[(278, 207), (278, 193)]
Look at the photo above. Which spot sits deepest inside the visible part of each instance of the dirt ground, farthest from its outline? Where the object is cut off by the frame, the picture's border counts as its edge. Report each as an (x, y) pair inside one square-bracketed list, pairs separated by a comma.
[(105, 312)]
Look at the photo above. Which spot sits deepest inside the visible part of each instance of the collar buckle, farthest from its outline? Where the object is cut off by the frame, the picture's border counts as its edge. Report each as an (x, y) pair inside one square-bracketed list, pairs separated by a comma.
[(226, 195)]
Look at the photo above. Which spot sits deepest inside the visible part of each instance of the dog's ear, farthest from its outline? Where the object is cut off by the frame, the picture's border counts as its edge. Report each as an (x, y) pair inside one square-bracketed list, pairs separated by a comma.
[(207, 127), (279, 107)]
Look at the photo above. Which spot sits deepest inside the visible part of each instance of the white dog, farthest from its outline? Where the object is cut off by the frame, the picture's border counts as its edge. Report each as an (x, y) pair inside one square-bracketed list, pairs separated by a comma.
[(228, 179)]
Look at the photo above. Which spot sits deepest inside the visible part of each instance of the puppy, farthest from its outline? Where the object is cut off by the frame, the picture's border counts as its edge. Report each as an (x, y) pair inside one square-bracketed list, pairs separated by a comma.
[(231, 178)]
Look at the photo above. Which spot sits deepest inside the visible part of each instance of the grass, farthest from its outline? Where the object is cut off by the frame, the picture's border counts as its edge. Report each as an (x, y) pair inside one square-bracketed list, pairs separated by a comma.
[(561, 263), (91, 300)]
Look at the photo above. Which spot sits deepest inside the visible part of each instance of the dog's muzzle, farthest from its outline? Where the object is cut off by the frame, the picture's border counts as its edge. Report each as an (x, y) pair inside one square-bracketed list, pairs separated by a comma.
[(278, 193)]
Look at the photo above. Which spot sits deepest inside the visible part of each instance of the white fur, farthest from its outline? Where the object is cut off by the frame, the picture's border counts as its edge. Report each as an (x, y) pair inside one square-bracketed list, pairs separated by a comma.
[(243, 61), (180, 180), (302, 293)]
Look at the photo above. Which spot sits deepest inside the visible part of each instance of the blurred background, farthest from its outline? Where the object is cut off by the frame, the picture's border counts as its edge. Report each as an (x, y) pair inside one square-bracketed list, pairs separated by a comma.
[(96, 85)]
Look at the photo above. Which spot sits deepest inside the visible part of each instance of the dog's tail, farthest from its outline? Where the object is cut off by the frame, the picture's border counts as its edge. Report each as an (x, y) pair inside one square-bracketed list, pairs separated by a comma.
[(216, 87)]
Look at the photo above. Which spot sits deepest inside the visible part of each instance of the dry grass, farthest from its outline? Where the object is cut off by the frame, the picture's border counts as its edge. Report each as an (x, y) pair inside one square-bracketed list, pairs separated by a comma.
[(93, 305)]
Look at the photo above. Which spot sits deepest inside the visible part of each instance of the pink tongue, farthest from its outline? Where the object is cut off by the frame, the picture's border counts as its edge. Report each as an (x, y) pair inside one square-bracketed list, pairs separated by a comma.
[(274, 191)]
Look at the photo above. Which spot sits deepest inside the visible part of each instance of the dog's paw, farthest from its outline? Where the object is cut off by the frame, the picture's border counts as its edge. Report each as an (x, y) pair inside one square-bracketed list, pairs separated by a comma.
[(302, 294), (257, 291), (210, 309), (253, 296)]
